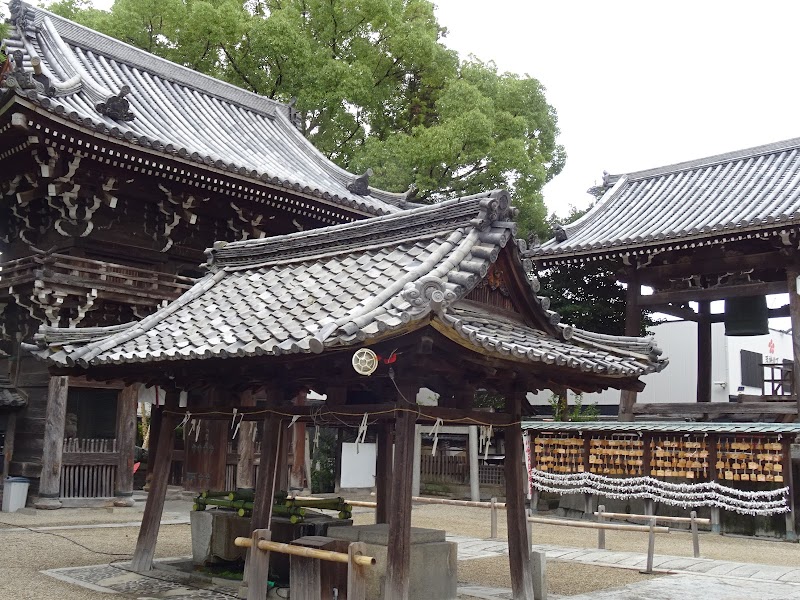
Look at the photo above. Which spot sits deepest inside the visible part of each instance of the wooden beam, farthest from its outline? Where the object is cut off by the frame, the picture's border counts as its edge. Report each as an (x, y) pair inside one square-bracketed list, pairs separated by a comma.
[(55, 417), (686, 314), (398, 562), (383, 473), (718, 293), (712, 266), (703, 352), (126, 445), (154, 507), (793, 287), (683, 409), (518, 545)]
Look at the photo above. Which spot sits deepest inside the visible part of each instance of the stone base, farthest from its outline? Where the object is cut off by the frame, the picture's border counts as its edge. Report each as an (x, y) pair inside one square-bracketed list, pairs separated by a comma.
[(124, 501), (434, 567), (47, 503)]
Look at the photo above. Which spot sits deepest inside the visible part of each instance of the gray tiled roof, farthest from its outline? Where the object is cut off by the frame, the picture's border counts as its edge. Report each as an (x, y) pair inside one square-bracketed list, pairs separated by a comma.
[(349, 284), (663, 427), (721, 197), (10, 396), (177, 111)]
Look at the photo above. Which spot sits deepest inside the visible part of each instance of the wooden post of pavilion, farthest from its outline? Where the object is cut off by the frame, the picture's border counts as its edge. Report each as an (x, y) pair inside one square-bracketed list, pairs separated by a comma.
[(154, 507), (793, 284), (55, 417), (519, 550), (298, 478), (633, 325), (152, 444), (126, 445), (399, 552), (383, 473), (245, 446), (704, 351)]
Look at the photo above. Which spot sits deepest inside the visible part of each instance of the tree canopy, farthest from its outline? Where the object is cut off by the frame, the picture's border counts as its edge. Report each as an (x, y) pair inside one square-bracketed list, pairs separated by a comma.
[(375, 85)]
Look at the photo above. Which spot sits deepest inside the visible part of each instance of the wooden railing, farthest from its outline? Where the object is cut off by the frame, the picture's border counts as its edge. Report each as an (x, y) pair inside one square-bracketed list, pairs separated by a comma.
[(88, 468), (111, 278)]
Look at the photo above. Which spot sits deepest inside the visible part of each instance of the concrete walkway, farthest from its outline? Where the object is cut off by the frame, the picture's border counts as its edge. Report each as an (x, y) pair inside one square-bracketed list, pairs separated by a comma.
[(691, 577)]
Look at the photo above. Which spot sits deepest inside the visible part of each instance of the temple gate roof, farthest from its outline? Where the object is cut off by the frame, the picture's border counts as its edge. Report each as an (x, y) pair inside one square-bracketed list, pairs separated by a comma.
[(115, 90)]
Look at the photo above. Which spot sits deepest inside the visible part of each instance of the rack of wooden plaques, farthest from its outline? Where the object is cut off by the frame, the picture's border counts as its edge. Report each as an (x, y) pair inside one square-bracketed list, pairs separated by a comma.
[(754, 459), (559, 453), (617, 455), (679, 456)]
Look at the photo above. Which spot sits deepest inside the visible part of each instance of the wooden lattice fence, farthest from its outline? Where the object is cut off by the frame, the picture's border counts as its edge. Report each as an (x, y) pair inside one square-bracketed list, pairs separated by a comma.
[(88, 468)]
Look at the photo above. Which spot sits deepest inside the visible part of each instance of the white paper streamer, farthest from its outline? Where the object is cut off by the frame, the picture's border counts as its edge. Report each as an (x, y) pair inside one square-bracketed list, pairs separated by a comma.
[(768, 502)]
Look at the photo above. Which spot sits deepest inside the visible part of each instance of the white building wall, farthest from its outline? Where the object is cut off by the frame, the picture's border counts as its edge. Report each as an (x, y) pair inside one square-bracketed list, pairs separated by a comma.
[(678, 381)]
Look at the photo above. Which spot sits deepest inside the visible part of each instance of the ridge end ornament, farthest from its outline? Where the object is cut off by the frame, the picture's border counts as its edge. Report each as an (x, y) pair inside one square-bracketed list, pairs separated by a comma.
[(117, 107), (360, 185)]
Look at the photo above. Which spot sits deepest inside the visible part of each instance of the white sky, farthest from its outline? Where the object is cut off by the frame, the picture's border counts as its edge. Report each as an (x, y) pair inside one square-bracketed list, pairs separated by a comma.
[(640, 84)]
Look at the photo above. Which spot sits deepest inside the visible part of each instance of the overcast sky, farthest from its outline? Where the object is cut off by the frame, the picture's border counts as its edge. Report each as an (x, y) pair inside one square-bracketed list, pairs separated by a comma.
[(642, 84)]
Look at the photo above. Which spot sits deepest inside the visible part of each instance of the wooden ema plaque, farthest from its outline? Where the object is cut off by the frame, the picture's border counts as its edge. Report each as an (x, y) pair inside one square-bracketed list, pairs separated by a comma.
[(617, 456), (685, 457), (757, 460), (559, 453)]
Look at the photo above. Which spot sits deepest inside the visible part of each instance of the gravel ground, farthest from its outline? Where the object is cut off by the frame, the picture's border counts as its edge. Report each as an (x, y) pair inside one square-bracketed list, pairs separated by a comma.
[(563, 579), (24, 554)]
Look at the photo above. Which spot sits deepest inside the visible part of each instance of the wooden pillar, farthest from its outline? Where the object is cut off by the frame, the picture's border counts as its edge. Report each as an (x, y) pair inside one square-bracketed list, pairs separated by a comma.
[(245, 446), (152, 448), (792, 274), (788, 474), (711, 446), (126, 444), (53, 443), (8, 446), (398, 565), (267, 472), (704, 351), (297, 475), (416, 484), (474, 469), (633, 325), (518, 549), (154, 508), (383, 473)]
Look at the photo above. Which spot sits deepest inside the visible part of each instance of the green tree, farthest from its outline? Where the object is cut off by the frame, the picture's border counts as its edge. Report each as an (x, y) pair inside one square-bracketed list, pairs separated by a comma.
[(588, 295), (375, 85)]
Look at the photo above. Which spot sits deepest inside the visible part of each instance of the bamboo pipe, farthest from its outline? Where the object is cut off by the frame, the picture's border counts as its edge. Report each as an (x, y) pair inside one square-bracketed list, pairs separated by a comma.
[(647, 518), (328, 555), (595, 525)]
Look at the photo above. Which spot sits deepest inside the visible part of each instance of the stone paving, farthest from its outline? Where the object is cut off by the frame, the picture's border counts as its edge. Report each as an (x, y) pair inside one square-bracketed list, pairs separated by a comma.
[(690, 577)]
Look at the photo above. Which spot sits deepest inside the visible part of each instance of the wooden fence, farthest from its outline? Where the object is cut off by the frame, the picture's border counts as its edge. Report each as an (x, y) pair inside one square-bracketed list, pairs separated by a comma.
[(455, 470), (88, 468)]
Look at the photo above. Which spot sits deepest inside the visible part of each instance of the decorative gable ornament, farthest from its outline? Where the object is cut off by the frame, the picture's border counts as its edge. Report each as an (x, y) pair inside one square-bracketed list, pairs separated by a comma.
[(365, 361)]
